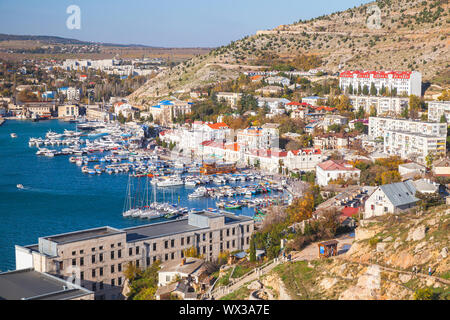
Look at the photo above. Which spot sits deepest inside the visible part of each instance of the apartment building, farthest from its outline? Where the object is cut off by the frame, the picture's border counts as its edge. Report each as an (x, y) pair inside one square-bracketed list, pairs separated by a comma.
[(383, 105), (413, 146), (436, 109), (98, 257), (266, 137), (231, 98), (378, 125), (166, 110), (404, 82), (331, 119), (278, 80)]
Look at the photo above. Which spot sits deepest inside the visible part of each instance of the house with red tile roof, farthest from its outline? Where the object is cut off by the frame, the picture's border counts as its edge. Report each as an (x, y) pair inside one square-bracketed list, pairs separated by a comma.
[(335, 169)]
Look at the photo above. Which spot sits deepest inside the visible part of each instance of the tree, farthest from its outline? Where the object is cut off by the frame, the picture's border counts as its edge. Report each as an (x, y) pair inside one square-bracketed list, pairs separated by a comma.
[(445, 96), (360, 113), (252, 250), (121, 118), (443, 119), (405, 112), (373, 111), (365, 90), (373, 89), (301, 208)]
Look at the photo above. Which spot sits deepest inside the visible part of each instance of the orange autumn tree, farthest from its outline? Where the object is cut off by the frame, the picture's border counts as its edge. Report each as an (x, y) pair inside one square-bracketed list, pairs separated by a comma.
[(301, 208)]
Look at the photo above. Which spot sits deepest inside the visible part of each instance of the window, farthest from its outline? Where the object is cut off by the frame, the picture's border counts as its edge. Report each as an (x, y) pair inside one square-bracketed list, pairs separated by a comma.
[(74, 253), (232, 243), (137, 263), (100, 248), (93, 249), (74, 262), (101, 272), (112, 255), (167, 278), (112, 268), (130, 251), (188, 240), (137, 250), (154, 246), (113, 282), (228, 244), (81, 261), (119, 267), (233, 231), (119, 244), (119, 253), (81, 275), (148, 261), (93, 258), (100, 257), (228, 232), (93, 273), (81, 251), (204, 249), (154, 258), (182, 253), (204, 237), (119, 281), (166, 257), (172, 243), (182, 241), (210, 235), (248, 240), (248, 228), (100, 285), (172, 255), (166, 244)]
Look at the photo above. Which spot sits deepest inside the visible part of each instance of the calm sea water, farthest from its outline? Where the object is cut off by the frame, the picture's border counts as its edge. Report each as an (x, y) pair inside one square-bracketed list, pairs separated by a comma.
[(58, 197)]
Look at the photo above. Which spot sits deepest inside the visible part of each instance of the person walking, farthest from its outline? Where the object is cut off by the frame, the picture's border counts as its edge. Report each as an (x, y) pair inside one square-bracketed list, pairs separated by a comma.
[(429, 271)]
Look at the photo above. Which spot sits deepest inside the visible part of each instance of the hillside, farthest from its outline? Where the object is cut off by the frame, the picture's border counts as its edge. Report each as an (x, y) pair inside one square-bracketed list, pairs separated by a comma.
[(378, 264), (413, 36)]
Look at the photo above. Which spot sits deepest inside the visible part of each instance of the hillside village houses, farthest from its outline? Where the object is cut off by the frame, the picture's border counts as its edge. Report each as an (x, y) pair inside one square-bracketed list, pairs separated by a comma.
[(314, 100), (276, 106), (331, 141), (269, 90), (437, 109), (409, 139), (404, 82), (333, 119), (278, 80)]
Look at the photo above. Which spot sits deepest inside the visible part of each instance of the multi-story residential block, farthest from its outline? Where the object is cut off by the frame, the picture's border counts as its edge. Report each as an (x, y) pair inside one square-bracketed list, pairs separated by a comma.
[(404, 82), (167, 110), (383, 105), (437, 109), (231, 98), (409, 139), (413, 146), (334, 169), (266, 137), (330, 141), (378, 125), (96, 113), (268, 90), (98, 257)]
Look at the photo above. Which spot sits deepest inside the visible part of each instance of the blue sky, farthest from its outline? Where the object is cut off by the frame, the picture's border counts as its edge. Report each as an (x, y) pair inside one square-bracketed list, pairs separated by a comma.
[(167, 23)]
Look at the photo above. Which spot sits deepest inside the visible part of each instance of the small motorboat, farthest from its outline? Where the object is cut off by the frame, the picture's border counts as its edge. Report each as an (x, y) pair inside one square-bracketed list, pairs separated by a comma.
[(13, 135), (20, 186)]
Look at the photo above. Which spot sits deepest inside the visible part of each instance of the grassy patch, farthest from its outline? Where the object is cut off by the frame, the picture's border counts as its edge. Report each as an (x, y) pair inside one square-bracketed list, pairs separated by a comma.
[(240, 294), (239, 271)]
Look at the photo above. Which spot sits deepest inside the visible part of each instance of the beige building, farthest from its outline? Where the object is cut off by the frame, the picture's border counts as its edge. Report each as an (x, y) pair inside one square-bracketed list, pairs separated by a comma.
[(68, 111), (97, 257), (93, 112), (231, 98)]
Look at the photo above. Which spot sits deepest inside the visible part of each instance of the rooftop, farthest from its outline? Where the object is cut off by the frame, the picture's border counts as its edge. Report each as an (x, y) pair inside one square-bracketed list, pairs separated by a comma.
[(29, 284), (188, 267), (83, 235)]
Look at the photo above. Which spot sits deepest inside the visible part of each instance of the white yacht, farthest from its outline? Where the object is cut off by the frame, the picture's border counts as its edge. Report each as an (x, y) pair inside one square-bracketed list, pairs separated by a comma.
[(13, 135), (171, 182)]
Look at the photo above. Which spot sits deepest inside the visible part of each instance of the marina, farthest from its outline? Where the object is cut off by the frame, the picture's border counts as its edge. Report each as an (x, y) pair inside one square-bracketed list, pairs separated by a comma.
[(59, 197)]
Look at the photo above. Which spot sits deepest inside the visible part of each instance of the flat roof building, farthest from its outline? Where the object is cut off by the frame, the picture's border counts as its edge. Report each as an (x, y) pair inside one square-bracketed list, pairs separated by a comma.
[(28, 284), (97, 257)]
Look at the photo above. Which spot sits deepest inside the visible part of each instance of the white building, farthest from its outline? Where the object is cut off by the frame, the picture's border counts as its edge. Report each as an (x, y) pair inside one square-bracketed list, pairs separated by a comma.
[(408, 82), (383, 105), (313, 100), (231, 98), (331, 119), (266, 137), (378, 125), (390, 198), (275, 105), (436, 109), (411, 169), (180, 269), (278, 80), (334, 169)]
